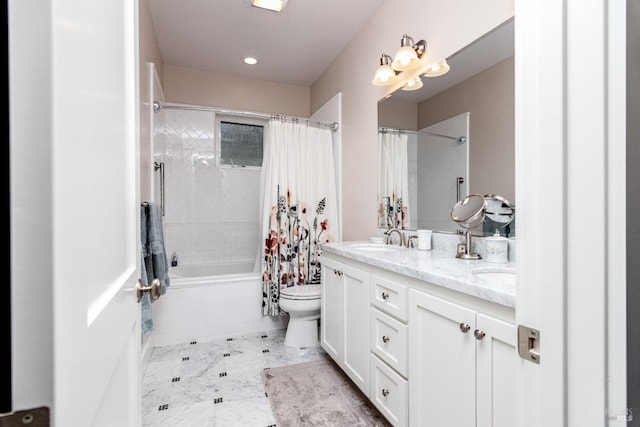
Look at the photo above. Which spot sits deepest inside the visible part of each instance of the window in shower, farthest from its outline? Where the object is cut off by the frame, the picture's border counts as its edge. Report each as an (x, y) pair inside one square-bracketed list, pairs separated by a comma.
[(241, 142)]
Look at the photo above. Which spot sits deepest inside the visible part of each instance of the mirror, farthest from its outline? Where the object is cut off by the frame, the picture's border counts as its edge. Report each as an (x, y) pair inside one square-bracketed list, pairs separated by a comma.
[(499, 215), (456, 137), (470, 211)]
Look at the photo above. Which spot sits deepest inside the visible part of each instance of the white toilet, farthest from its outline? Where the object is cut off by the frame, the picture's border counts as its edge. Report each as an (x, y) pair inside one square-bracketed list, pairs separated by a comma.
[(302, 302)]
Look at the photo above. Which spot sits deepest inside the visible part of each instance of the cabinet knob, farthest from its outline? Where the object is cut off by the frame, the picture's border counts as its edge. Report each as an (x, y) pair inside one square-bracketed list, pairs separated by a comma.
[(464, 327), (385, 339), (385, 392), (478, 334), (385, 296)]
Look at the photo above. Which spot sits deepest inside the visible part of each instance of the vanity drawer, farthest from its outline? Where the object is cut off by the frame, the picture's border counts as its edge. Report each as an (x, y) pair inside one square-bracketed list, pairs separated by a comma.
[(389, 340), (390, 297), (388, 392)]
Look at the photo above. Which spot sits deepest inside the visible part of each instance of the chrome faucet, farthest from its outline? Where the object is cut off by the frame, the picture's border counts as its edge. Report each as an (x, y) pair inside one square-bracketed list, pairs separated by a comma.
[(392, 230)]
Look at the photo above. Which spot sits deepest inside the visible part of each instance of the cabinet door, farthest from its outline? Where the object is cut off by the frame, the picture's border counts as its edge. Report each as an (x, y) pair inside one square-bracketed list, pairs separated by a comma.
[(441, 362), (496, 357), (332, 310), (356, 324)]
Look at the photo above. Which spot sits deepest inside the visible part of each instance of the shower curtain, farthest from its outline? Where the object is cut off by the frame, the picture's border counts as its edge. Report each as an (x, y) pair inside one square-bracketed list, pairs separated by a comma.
[(393, 185), (299, 207)]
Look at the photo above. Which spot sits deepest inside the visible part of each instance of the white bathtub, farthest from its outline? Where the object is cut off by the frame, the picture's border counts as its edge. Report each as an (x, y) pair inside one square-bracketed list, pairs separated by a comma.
[(211, 301), (190, 275)]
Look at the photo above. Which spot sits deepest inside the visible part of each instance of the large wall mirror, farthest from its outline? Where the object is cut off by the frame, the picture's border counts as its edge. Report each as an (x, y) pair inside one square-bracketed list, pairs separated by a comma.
[(451, 138)]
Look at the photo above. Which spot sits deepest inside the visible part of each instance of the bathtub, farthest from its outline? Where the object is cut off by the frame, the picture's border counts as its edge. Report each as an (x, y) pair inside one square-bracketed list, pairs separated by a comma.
[(210, 301)]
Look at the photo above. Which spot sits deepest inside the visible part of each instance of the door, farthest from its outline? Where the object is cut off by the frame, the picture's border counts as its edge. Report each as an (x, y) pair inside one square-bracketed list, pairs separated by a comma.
[(442, 363), (356, 325), (75, 238), (496, 358), (332, 312), (570, 148)]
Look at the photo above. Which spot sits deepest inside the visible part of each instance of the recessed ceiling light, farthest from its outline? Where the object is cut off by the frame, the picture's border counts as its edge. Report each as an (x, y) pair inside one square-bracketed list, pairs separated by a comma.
[(274, 5), (250, 60)]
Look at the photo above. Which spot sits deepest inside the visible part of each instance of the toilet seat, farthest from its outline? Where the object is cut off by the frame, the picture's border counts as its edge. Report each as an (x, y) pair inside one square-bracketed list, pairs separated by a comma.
[(301, 292)]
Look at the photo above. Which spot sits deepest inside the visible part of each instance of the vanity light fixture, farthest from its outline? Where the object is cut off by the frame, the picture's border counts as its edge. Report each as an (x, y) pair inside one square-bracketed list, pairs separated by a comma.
[(385, 75), (413, 84), (409, 54), (273, 5), (438, 69)]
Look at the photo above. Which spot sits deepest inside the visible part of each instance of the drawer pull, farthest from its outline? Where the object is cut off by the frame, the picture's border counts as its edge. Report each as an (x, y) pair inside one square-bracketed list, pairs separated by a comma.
[(464, 327), (385, 392), (385, 296), (385, 339), (478, 334)]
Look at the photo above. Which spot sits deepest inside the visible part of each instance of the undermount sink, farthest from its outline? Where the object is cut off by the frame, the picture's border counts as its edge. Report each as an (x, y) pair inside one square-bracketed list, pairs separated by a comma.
[(497, 276), (375, 247)]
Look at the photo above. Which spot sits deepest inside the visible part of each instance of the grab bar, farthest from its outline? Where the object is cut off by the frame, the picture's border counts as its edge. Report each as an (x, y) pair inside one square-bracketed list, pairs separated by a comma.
[(156, 166), (459, 182)]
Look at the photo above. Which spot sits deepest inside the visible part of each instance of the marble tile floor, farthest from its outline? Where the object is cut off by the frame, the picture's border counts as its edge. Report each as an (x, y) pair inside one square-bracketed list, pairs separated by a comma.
[(216, 383)]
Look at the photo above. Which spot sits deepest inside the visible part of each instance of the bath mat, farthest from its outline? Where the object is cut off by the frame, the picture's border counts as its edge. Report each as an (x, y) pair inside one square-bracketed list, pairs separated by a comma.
[(318, 393)]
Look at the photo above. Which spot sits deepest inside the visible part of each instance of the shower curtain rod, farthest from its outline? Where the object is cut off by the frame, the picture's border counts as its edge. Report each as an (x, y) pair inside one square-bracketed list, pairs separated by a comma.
[(332, 126), (459, 139)]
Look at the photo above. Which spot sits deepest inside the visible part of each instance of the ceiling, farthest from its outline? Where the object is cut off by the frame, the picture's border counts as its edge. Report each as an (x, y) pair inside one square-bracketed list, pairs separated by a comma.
[(293, 47)]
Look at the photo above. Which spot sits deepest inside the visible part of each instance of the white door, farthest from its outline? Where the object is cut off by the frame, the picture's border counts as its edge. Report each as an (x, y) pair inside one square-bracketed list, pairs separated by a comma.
[(442, 362), (332, 310), (74, 118), (570, 191)]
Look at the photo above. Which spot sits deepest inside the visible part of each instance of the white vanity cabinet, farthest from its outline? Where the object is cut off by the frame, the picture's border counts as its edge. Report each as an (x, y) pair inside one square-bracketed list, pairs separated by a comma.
[(344, 330), (423, 354), (461, 365)]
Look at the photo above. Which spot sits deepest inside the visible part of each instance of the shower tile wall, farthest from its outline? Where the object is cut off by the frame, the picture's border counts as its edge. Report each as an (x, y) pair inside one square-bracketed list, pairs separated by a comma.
[(211, 213)]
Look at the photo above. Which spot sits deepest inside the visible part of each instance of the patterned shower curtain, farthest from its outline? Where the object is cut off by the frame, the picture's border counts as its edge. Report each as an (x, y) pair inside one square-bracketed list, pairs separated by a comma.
[(393, 185), (299, 207)]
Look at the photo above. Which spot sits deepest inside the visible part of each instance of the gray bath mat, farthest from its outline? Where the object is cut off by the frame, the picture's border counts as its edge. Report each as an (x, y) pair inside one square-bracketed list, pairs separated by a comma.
[(318, 393)]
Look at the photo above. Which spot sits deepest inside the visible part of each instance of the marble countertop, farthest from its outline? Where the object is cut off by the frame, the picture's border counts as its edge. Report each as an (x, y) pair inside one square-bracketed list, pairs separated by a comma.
[(436, 267)]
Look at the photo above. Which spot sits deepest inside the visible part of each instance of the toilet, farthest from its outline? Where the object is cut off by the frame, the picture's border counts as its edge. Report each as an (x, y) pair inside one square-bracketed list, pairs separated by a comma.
[(302, 302)]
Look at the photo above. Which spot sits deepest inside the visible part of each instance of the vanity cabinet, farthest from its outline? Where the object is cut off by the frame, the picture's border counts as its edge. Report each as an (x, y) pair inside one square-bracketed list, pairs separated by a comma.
[(461, 365), (424, 355), (345, 319)]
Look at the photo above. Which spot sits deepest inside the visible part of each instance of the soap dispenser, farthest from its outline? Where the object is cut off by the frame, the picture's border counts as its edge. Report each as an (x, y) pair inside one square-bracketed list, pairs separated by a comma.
[(497, 248)]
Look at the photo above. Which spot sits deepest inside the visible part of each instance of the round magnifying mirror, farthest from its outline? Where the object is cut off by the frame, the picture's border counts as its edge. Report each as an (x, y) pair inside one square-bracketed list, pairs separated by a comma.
[(499, 211), (470, 211)]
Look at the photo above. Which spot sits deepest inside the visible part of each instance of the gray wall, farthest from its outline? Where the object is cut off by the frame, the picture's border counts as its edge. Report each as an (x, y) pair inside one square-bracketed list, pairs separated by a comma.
[(633, 209), (489, 97)]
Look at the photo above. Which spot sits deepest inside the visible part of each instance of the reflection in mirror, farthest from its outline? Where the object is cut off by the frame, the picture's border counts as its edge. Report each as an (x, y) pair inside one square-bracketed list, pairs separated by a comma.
[(409, 161), (478, 93), (498, 216)]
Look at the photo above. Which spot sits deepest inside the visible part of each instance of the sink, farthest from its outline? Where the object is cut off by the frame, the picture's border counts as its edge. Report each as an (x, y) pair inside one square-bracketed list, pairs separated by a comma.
[(375, 247), (497, 276)]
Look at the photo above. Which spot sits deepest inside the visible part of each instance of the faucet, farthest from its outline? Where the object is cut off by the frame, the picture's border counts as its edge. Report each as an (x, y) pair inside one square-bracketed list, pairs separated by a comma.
[(392, 230), (410, 240)]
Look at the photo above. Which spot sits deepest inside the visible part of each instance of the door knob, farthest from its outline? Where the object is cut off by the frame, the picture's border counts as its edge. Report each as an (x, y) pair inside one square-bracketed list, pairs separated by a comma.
[(153, 289), (464, 327), (478, 334)]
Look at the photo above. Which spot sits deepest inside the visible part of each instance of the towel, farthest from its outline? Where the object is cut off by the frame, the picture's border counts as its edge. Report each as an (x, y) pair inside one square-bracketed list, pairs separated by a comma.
[(153, 259)]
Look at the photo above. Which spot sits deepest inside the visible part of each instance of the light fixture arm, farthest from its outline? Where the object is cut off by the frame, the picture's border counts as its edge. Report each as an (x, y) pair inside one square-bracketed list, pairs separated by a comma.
[(385, 59), (419, 47)]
